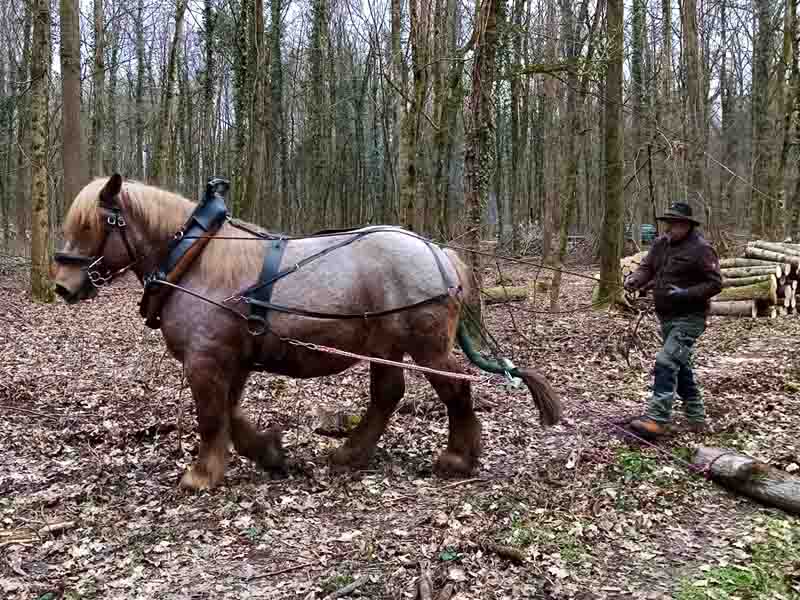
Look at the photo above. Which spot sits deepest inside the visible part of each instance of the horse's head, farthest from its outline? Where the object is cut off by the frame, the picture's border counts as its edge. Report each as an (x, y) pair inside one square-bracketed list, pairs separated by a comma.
[(97, 244)]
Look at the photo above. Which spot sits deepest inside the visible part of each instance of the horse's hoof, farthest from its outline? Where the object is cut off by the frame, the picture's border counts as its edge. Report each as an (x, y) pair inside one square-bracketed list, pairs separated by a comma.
[(346, 458), (196, 481), (450, 464), (270, 455)]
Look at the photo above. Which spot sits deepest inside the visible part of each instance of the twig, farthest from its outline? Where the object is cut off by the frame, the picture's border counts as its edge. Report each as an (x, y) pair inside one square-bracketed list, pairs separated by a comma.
[(446, 592), (463, 482), (273, 573), (57, 527), (424, 587), (348, 589)]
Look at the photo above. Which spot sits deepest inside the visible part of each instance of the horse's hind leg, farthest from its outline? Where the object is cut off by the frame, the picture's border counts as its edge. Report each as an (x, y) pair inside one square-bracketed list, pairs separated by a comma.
[(210, 388), (386, 388), (464, 442), (262, 448)]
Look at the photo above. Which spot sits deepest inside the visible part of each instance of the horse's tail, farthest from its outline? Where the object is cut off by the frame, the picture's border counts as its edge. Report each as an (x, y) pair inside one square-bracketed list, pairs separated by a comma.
[(544, 395)]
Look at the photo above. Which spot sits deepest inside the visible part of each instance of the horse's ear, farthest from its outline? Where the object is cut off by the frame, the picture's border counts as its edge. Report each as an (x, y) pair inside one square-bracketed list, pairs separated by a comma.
[(111, 189)]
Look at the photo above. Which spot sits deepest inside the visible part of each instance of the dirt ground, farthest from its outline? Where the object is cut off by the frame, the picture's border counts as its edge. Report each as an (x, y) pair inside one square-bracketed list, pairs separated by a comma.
[(95, 434)]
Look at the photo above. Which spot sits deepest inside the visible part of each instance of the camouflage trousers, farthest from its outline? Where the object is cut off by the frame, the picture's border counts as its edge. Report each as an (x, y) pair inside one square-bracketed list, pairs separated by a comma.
[(673, 370)]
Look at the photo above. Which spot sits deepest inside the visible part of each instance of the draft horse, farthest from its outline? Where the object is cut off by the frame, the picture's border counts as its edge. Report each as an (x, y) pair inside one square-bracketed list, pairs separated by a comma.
[(113, 226)]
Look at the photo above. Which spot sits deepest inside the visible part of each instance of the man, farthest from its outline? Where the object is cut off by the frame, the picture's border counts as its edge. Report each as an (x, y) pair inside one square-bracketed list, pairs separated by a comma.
[(683, 270)]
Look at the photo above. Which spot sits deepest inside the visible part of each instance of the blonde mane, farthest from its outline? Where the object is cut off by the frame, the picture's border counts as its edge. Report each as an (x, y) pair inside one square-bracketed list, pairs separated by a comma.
[(161, 213)]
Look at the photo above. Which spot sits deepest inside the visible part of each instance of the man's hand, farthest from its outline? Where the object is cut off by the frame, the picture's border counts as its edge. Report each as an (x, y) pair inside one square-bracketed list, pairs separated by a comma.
[(629, 284), (677, 292)]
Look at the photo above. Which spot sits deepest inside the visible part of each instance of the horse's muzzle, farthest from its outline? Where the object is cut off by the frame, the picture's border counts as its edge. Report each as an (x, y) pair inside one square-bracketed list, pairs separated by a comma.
[(85, 292)]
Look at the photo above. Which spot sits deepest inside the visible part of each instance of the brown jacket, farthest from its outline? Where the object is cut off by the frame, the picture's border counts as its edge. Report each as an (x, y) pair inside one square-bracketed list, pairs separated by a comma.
[(691, 263)]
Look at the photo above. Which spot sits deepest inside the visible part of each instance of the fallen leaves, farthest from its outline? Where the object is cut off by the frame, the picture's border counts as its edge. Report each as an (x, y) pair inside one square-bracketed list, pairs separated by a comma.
[(92, 446)]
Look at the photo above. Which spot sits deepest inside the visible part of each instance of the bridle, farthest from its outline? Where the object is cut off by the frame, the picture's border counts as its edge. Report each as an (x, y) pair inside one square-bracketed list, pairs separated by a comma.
[(100, 274)]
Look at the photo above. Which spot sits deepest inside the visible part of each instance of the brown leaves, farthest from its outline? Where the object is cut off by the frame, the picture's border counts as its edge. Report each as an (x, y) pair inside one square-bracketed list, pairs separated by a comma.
[(89, 434)]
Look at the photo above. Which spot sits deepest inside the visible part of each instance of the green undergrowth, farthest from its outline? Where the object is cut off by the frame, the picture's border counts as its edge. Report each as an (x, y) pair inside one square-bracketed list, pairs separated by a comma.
[(773, 570)]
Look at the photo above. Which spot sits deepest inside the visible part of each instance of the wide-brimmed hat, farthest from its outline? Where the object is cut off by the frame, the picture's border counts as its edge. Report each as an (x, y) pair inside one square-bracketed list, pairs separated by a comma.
[(679, 211)]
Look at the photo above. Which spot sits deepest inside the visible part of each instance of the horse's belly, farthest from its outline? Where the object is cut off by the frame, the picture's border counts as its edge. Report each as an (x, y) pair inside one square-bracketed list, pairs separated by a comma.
[(303, 363)]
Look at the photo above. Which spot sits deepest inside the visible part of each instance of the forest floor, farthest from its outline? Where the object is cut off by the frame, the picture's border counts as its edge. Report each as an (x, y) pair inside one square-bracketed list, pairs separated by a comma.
[(95, 435)]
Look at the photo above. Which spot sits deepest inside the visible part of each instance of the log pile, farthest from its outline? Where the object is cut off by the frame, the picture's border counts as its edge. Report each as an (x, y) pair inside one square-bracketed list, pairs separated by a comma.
[(762, 283)]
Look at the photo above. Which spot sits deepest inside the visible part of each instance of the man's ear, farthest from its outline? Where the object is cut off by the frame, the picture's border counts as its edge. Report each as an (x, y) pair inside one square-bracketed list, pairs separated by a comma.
[(111, 190)]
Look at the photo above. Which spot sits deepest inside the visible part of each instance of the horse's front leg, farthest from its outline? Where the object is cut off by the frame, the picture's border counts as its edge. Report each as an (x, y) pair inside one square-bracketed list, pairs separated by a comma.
[(211, 385)]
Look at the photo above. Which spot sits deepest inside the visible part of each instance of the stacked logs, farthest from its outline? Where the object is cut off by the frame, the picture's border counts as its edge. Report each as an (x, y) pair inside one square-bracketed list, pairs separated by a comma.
[(763, 283)]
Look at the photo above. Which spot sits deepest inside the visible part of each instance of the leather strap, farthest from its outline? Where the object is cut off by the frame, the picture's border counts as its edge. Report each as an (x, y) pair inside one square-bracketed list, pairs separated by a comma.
[(185, 247), (259, 296)]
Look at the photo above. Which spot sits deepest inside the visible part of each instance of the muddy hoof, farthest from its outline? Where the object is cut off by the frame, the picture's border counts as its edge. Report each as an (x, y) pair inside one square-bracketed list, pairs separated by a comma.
[(270, 454), (346, 458), (454, 465), (197, 480)]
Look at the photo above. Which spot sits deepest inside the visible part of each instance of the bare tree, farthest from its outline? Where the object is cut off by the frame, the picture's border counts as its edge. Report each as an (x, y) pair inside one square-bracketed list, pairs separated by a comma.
[(71, 94), (608, 290), (41, 287)]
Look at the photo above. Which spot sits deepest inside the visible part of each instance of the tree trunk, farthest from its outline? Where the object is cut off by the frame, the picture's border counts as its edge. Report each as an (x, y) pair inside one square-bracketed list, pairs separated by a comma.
[(41, 287), (280, 150), (71, 92), (696, 126), (256, 68), (399, 80), (160, 174), (479, 152), (787, 96), (761, 209), (140, 76), (608, 291), (23, 125), (98, 83)]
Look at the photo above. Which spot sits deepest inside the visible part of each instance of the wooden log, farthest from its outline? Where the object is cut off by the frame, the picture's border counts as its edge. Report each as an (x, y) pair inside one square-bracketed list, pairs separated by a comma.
[(734, 308), (750, 477), (727, 263), (734, 272), (753, 252), (494, 295), (764, 290), (775, 247), (740, 281)]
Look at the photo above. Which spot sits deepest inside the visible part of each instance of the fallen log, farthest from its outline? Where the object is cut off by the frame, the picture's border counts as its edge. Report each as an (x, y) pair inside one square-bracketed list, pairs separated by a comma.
[(498, 294), (764, 290), (740, 281), (750, 477), (734, 308), (753, 252), (735, 272)]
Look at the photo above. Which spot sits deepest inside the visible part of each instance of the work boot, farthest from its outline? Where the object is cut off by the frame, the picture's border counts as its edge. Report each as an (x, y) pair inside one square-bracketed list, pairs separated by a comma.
[(648, 428)]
